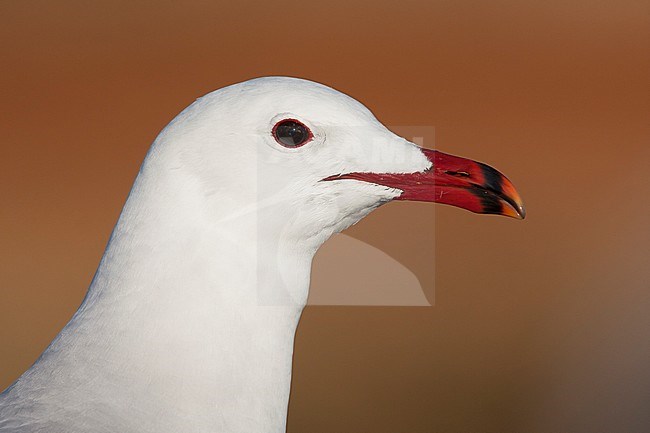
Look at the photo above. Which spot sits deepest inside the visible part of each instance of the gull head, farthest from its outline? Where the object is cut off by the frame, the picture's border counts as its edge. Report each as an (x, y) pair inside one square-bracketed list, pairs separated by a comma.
[(301, 161)]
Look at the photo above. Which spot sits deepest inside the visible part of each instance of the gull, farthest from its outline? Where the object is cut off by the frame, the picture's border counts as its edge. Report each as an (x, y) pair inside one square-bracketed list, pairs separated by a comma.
[(188, 324)]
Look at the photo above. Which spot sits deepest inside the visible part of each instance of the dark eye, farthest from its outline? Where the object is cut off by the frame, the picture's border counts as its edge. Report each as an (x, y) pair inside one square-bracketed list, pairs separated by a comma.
[(291, 133)]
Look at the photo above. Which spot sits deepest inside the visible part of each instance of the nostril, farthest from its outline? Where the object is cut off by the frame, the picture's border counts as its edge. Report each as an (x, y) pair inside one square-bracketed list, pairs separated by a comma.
[(457, 173)]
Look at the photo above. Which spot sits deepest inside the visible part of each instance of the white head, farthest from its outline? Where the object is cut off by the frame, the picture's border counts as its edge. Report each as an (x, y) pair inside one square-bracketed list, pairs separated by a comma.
[(283, 163), (226, 147)]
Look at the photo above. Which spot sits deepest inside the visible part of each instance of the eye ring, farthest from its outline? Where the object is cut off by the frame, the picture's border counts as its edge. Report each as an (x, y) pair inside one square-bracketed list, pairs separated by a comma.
[(291, 133)]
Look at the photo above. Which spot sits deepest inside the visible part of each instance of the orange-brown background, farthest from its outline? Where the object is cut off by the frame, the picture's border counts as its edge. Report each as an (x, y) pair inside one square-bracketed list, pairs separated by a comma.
[(538, 326)]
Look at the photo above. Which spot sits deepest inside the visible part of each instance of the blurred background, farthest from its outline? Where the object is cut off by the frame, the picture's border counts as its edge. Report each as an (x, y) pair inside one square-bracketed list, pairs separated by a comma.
[(540, 325)]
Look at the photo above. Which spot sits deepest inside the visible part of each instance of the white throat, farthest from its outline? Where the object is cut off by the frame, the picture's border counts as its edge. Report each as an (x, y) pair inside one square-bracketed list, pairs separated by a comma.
[(197, 324)]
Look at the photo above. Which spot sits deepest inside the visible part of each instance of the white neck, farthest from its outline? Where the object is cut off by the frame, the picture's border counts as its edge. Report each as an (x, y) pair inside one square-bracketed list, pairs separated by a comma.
[(196, 325)]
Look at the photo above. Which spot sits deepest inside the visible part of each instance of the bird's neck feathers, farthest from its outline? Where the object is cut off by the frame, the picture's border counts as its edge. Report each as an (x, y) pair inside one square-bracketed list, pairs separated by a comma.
[(173, 239), (166, 255), (197, 314)]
